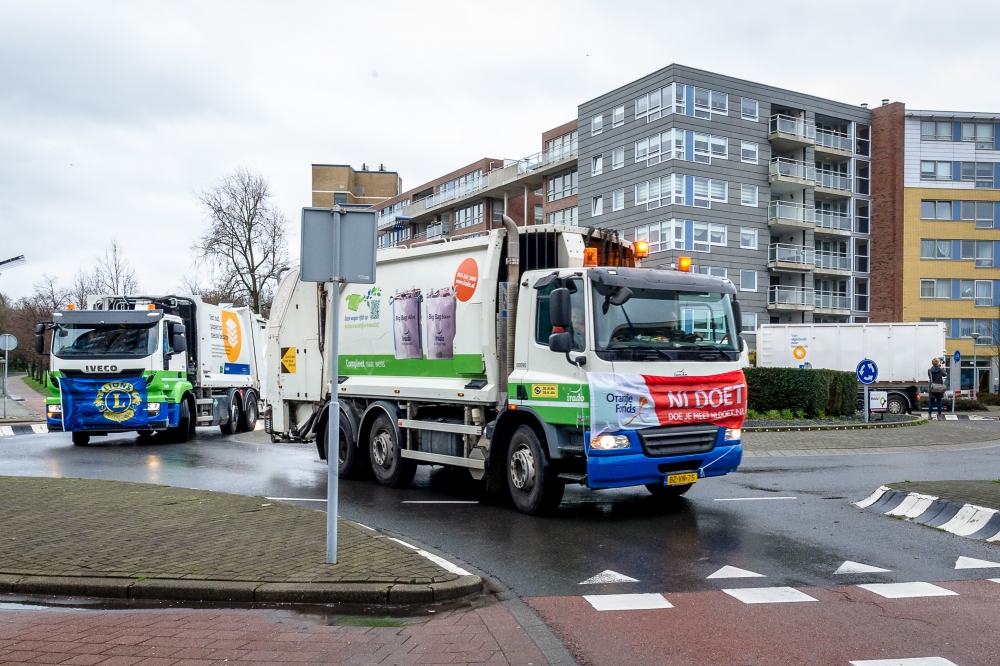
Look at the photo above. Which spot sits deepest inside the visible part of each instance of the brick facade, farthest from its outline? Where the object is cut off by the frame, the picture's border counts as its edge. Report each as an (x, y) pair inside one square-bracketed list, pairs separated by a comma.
[(888, 154)]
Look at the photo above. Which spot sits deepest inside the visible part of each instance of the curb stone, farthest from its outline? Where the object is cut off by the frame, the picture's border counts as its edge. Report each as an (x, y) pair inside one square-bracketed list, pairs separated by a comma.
[(970, 521), (846, 426), (185, 590)]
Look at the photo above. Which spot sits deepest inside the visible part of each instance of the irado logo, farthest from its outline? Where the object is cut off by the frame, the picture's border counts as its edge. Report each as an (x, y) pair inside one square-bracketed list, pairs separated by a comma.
[(232, 339), (118, 401)]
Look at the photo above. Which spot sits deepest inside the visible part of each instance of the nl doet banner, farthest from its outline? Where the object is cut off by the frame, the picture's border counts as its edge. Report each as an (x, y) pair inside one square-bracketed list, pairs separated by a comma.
[(621, 401)]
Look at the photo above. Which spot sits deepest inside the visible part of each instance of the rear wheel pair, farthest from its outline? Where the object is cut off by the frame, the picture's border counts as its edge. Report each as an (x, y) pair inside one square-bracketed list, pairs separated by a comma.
[(242, 417)]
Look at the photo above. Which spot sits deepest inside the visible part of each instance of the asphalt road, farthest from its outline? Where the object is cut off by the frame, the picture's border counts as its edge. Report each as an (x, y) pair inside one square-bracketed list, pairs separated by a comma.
[(741, 520)]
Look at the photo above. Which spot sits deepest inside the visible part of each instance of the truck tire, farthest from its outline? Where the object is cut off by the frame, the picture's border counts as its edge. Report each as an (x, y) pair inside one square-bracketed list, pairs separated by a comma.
[(347, 463), (179, 435), (233, 426), (896, 404), (533, 488), (388, 464), (81, 439), (662, 492), (248, 419)]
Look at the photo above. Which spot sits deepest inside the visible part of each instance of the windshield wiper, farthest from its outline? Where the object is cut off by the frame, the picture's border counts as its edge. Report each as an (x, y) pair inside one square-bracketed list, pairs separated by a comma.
[(635, 347)]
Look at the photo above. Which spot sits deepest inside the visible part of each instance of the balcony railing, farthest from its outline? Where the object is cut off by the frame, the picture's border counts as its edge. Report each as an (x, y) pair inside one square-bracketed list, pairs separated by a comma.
[(782, 166), (832, 219), (832, 181), (455, 192), (539, 160), (790, 254), (834, 140), (832, 300), (796, 126), (833, 260), (777, 295), (791, 211)]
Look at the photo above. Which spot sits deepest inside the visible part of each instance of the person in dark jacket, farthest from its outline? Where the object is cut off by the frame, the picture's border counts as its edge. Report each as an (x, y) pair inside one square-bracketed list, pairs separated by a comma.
[(936, 375)]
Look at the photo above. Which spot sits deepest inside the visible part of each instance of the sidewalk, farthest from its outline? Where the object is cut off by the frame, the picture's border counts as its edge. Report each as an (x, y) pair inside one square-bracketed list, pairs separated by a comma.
[(82, 537), (31, 407)]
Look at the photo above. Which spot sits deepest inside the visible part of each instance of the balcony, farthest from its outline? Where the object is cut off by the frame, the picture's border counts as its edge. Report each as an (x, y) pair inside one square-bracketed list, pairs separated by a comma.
[(455, 193), (790, 298), (781, 257), (832, 145), (832, 302), (790, 214), (833, 223), (787, 133), (543, 159), (788, 175), (833, 262), (830, 184)]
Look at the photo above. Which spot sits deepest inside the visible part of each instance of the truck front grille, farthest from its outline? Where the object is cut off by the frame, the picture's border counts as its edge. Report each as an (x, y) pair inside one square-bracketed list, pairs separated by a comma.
[(678, 440)]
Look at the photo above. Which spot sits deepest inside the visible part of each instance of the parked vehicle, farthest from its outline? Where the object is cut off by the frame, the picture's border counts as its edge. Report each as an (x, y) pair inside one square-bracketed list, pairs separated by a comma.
[(902, 352), (589, 370), (153, 364)]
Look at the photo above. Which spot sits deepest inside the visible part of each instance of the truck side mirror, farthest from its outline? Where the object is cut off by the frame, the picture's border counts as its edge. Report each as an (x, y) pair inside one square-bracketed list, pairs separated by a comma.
[(738, 320), (39, 328), (40, 343), (560, 308), (561, 342), (179, 338)]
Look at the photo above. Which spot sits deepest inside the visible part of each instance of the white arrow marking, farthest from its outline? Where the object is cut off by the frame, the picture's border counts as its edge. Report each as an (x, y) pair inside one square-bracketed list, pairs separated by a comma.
[(609, 576), (849, 567), (733, 572), (973, 563)]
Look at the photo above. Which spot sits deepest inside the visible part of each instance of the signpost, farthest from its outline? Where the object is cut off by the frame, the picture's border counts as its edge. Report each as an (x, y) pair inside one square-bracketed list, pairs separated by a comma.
[(338, 246), (867, 374), (957, 357), (8, 343)]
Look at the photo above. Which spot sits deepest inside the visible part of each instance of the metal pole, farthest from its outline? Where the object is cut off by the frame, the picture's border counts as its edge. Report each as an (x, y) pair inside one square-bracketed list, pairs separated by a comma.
[(333, 412), (866, 403), (5, 357), (975, 370)]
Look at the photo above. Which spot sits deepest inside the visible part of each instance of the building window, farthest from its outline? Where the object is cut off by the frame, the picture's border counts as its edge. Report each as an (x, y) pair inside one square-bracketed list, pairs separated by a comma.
[(935, 289), (984, 293), (863, 143), (862, 219), (562, 146), (749, 109), (981, 173), (567, 216), (618, 158), (984, 254), (618, 199), (678, 144), (935, 210), (676, 98), (596, 125), (748, 195), (618, 116), (597, 205), (748, 152), (561, 186), (681, 190), (860, 256), (936, 131), (596, 165), (748, 280), (980, 212), (715, 271), (748, 238), (749, 324), (470, 216), (981, 133), (539, 217), (932, 170), (935, 249), (861, 294), (340, 198), (862, 173)]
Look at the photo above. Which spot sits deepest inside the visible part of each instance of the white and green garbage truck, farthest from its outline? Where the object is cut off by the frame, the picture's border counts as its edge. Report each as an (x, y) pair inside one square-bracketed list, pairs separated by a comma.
[(153, 364), (533, 357)]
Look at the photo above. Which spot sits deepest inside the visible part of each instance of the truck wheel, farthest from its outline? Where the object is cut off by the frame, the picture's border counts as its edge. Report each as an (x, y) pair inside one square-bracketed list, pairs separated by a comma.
[(233, 426), (179, 435), (248, 420), (895, 405), (81, 439), (347, 463), (388, 464), (660, 491), (534, 490)]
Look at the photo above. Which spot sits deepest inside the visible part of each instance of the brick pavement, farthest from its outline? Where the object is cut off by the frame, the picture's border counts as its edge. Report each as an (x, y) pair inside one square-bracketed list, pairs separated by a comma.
[(184, 637), (141, 535), (31, 408)]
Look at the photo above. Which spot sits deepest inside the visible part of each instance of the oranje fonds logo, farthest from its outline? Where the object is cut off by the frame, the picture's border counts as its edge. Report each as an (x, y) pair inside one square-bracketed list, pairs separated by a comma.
[(232, 336)]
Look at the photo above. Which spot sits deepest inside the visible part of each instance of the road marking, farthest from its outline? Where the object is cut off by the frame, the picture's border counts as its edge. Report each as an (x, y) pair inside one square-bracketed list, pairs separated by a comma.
[(973, 563), (950, 417), (296, 499), (620, 602), (769, 595), (365, 526), (918, 661), (440, 502), (907, 590), (849, 567), (6, 431), (750, 499), (440, 561), (39, 428), (734, 572), (874, 497), (609, 576)]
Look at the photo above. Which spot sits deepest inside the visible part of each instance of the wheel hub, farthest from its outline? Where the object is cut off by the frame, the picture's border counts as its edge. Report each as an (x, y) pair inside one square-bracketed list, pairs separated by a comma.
[(522, 469), (382, 449)]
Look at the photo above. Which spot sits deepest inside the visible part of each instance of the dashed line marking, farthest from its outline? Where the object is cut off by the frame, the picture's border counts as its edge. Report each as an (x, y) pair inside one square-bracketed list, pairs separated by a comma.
[(916, 661), (769, 595), (621, 602), (750, 499)]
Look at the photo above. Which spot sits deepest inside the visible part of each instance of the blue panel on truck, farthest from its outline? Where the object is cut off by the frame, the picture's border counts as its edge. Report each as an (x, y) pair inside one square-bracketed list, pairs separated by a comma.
[(236, 369)]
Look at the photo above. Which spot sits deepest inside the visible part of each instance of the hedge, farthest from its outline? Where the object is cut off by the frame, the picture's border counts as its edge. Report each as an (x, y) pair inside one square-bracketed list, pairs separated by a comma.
[(831, 392)]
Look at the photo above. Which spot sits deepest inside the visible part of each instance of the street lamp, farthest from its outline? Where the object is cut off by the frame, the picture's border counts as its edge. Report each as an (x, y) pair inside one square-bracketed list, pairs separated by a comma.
[(12, 262), (975, 368)]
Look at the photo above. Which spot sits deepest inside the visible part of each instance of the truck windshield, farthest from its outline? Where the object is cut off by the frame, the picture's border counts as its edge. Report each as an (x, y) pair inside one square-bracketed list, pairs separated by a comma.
[(104, 340), (657, 324)]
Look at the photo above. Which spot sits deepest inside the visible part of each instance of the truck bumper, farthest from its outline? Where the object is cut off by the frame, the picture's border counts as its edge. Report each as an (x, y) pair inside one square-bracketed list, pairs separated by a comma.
[(636, 468)]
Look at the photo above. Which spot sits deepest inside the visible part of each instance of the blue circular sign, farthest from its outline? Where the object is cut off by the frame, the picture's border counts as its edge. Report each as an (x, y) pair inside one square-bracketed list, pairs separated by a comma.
[(867, 371), (957, 356)]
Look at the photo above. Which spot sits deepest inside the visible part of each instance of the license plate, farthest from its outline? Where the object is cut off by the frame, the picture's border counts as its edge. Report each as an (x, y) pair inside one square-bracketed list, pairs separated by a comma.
[(682, 479)]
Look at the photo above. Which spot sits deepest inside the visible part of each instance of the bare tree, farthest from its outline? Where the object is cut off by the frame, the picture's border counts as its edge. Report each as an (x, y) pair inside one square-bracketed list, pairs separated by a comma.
[(191, 285), (48, 295), (114, 274), (83, 286), (244, 247)]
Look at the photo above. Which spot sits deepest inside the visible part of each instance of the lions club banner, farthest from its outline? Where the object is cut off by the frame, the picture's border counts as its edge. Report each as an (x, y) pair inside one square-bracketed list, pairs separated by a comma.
[(91, 404), (630, 402)]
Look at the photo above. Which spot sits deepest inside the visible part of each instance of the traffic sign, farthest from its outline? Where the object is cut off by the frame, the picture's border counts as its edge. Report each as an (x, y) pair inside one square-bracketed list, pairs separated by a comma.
[(8, 342), (867, 371), (957, 356)]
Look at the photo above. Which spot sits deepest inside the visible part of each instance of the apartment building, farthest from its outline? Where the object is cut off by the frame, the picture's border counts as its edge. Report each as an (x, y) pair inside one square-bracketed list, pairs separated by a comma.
[(765, 186), (936, 230), (340, 184)]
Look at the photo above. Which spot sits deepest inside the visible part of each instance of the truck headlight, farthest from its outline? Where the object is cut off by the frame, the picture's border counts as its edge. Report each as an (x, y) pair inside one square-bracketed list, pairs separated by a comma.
[(53, 409), (154, 408), (608, 442), (733, 433)]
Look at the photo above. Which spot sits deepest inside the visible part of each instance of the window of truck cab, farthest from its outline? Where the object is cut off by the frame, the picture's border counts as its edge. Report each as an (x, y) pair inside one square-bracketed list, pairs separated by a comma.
[(543, 324), (104, 340)]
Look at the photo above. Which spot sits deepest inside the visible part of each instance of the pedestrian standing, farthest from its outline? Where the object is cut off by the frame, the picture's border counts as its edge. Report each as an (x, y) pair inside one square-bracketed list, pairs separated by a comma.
[(936, 389)]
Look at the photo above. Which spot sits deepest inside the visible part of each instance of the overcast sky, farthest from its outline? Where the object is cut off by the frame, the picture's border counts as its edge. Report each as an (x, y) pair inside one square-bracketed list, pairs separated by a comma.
[(113, 115)]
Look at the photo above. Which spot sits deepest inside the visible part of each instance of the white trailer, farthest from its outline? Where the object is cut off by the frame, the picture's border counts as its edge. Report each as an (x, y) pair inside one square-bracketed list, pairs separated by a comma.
[(902, 352)]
